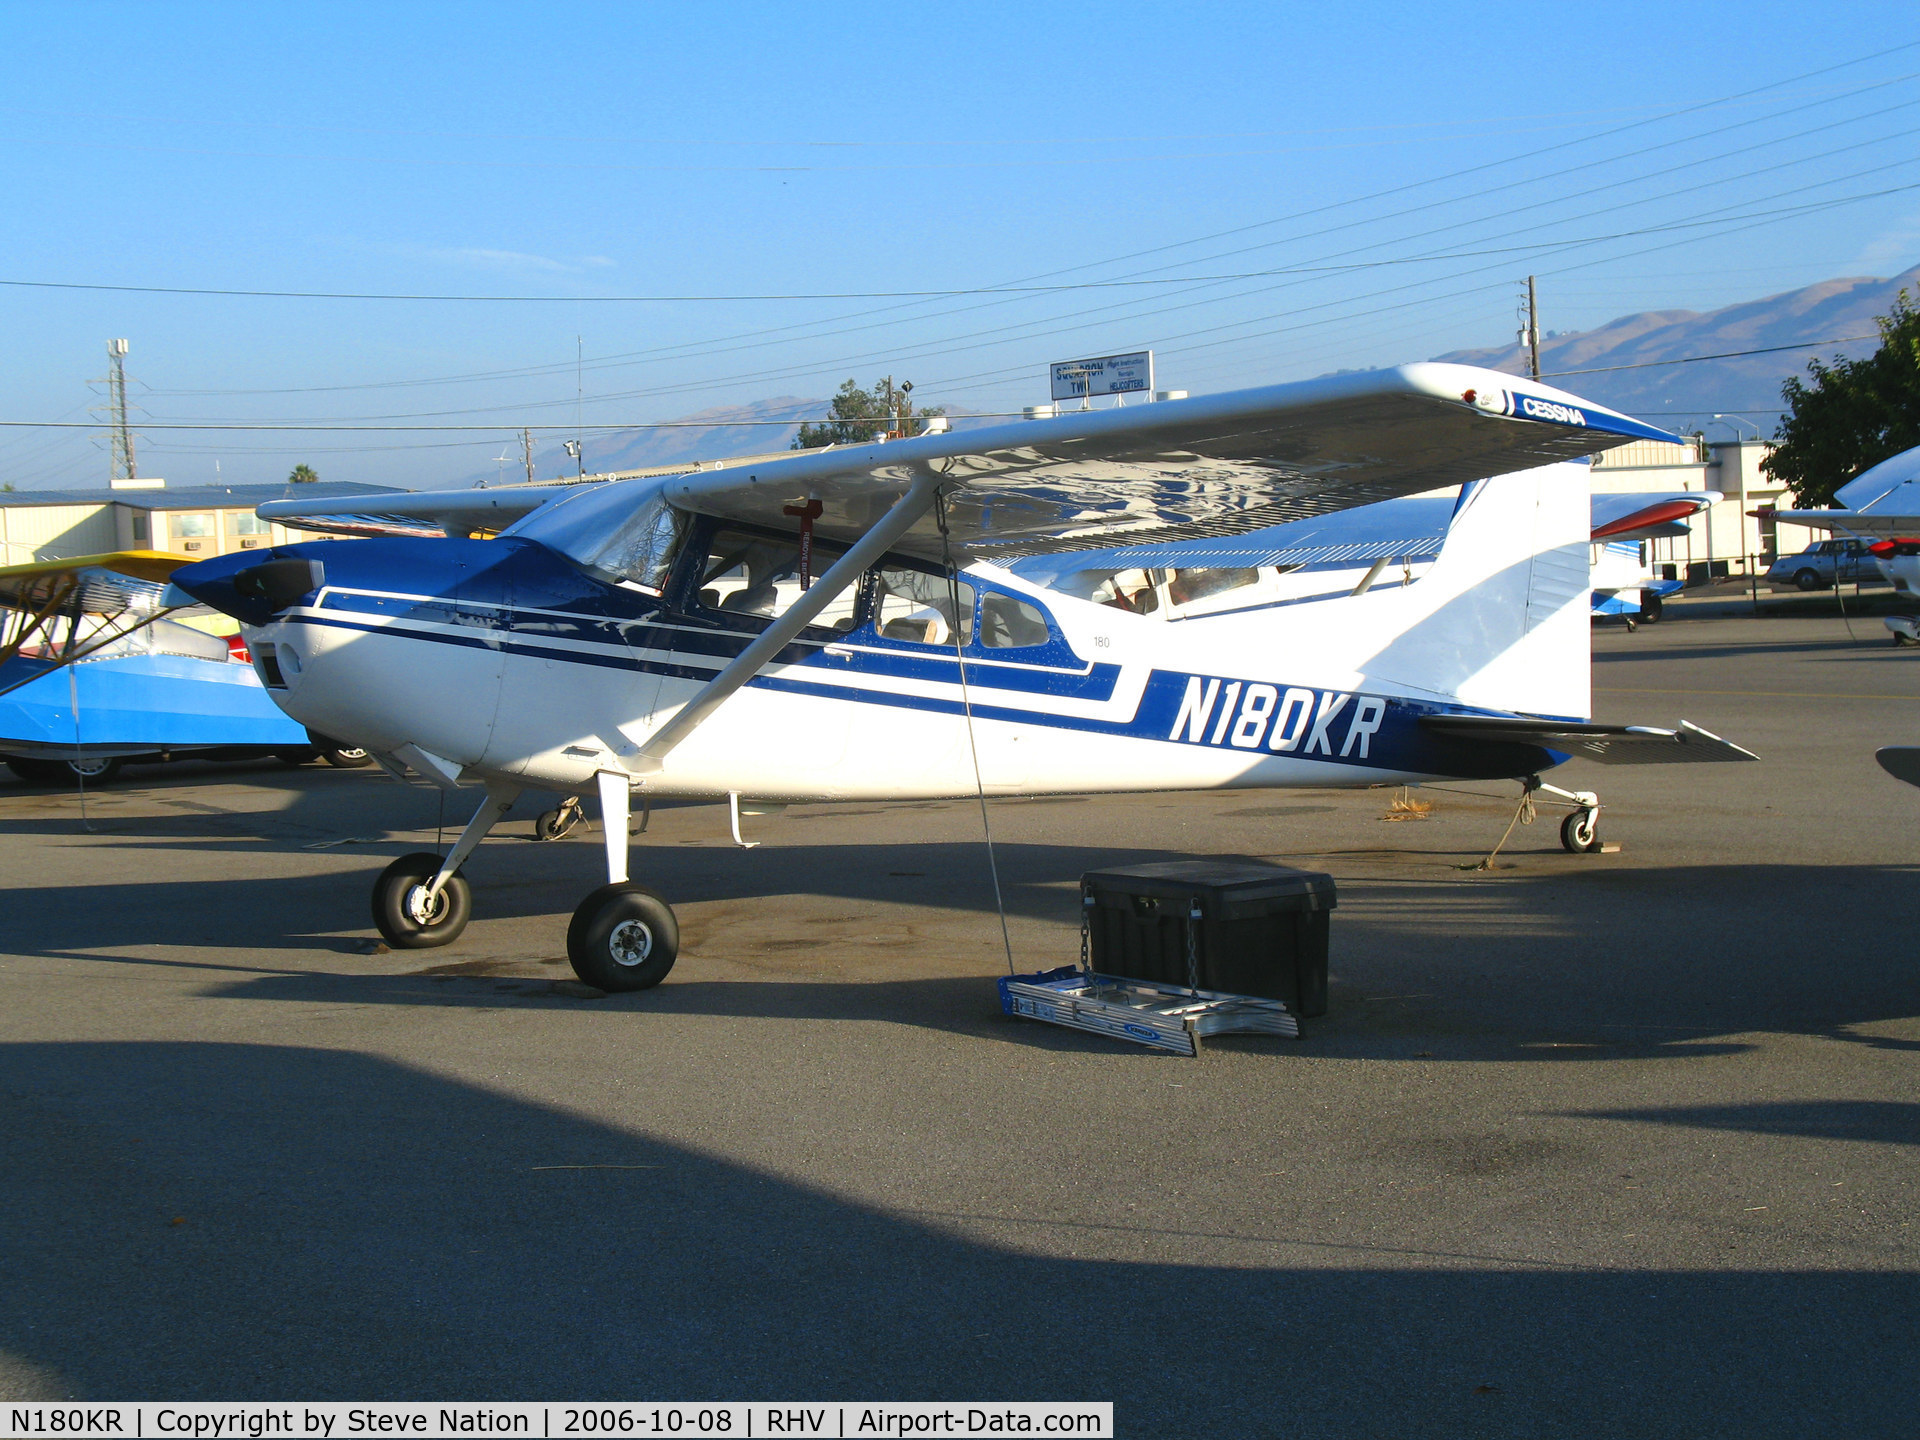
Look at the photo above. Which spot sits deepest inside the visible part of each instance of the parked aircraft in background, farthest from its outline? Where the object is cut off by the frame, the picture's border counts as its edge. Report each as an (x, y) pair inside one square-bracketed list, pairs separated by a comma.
[(93, 675), (1377, 546), (1881, 507), (847, 624)]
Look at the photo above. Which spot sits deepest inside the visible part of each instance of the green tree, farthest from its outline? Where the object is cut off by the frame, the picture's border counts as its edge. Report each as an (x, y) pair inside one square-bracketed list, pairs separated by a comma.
[(857, 415), (302, 475), (1853, 415)]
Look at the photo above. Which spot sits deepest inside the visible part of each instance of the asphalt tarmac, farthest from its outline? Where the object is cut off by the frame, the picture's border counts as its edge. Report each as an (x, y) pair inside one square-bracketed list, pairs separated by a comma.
[(1587, 1145)]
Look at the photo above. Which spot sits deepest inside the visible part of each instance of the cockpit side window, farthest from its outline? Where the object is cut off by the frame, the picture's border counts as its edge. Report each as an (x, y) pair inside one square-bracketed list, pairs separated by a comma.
[(744, 573)]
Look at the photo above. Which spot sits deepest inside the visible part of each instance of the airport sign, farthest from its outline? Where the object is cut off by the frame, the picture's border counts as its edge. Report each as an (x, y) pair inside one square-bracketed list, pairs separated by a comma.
[(1103, 375)]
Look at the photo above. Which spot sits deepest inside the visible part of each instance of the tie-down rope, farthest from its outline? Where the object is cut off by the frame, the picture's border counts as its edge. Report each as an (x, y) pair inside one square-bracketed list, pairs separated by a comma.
[(966, 706)]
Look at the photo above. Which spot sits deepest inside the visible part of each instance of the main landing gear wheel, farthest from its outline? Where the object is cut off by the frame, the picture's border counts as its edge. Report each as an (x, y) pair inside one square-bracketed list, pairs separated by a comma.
[(1580, 832), (341, 757), (407, 917), (558, 823), (623, 937), (1650, 607)]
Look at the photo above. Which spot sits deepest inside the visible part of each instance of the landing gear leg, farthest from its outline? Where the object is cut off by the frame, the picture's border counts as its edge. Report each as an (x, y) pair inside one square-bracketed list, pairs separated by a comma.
[(624, 936), (420, 900), (1580, 831)]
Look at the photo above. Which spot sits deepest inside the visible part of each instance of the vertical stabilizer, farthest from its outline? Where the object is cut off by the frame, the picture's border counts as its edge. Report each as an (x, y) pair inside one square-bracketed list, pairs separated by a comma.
[(1504, 621)]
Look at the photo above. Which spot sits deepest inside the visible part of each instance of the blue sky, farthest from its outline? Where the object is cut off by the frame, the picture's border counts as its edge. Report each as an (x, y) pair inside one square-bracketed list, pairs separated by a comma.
[(1378, 179)]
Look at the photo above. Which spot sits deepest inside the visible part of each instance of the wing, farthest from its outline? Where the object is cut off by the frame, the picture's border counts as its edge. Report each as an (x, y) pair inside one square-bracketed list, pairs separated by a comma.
[(1213, 465), (1647, 517), (1882, 500), (150, 566), (63, 610), (1609, 744), (416, 512)]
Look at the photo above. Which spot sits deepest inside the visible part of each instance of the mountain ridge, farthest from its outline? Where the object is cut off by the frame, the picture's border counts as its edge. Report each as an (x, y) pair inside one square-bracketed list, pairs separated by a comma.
[(1659, 376), (1646, 344)]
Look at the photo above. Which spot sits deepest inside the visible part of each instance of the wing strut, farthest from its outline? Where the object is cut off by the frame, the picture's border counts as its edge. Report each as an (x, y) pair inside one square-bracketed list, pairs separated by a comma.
[(845, 572)]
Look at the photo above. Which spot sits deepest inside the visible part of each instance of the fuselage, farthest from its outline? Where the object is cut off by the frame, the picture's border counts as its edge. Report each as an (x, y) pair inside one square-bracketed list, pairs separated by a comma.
[(511, 660)]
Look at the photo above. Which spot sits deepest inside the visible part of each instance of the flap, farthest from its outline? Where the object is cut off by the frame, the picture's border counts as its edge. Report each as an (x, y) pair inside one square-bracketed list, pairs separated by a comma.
[(1609, 744)]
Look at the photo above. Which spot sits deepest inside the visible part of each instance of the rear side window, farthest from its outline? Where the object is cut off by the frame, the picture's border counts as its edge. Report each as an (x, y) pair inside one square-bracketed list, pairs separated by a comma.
[(1007, 623), (914, 606)]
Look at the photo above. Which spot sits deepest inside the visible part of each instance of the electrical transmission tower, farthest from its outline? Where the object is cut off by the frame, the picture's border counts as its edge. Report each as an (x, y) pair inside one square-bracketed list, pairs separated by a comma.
[(125, 466)]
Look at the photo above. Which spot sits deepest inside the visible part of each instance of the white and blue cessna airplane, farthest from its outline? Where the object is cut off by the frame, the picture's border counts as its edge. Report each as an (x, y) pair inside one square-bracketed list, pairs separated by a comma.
[(842, 624)]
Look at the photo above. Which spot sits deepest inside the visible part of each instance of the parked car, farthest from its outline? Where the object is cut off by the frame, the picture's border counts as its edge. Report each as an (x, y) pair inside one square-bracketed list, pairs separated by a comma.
[(1820, 566)]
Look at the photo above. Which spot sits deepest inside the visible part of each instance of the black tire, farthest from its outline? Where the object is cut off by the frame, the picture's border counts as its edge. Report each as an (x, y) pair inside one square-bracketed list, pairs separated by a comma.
[(623, 937), (1580, 833), (339, 755), (1808, 580), (393, 913), (36, 772), (1650, 607), (557, 823), (297, 755), (91, 769)]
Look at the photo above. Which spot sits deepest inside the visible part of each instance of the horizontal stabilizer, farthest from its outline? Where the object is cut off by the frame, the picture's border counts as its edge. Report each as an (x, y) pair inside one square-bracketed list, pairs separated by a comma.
[(1608, 744)]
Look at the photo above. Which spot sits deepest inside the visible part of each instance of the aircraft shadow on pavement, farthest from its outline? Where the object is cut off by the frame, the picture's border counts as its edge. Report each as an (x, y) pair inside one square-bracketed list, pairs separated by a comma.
[(226, 1222), (1565, 965), (1887, 1122)]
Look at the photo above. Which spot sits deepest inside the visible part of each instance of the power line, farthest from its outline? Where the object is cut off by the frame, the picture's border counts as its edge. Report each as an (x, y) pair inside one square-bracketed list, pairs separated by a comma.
[(1723, 355), (1007, 291), (324, 428)]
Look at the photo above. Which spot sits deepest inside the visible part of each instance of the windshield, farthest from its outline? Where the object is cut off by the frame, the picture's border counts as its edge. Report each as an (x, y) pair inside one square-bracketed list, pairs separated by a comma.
[(624, 529)]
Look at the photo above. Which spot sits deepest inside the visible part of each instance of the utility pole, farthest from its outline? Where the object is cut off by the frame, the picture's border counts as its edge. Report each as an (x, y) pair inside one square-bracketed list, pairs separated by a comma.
[(124, 467), (526, 448), (1533, 333)]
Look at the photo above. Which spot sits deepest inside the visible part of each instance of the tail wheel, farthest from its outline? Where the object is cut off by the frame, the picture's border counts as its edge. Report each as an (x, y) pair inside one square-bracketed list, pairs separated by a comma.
[(623, 937), (1580, 832), (410, 919)]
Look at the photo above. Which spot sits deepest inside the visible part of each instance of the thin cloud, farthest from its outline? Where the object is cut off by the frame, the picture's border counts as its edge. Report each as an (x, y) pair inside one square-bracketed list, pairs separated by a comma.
[(1890, 251)]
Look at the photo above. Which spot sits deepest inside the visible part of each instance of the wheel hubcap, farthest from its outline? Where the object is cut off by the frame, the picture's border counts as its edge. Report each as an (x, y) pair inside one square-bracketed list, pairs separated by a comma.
[(424, 909), (630, 943)]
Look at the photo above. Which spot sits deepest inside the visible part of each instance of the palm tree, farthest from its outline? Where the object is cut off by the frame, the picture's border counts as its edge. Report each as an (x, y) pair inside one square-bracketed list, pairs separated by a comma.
[(302, 475)]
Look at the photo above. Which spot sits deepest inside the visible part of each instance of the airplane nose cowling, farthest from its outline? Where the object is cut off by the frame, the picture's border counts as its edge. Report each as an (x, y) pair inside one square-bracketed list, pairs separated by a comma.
[(254, 588)]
